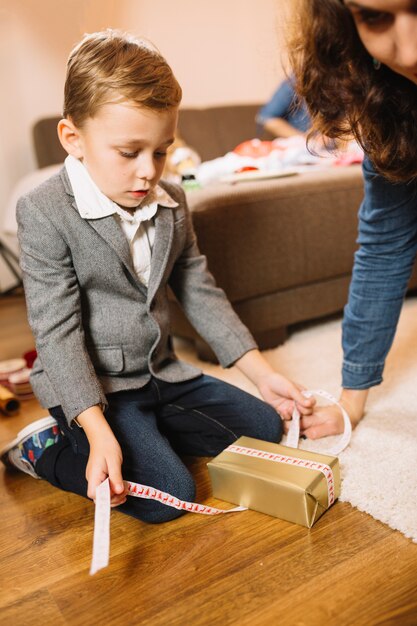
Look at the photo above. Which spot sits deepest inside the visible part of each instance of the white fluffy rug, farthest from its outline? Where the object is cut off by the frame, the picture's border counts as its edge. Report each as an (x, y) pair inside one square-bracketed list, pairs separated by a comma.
[(379, 468)]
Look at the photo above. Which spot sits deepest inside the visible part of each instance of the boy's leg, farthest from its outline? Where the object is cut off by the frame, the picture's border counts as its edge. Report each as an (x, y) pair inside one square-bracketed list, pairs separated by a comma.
[(148, 457), (203, 416)]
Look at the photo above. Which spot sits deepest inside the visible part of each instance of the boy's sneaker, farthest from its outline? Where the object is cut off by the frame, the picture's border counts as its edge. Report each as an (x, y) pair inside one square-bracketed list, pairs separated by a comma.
[(31, 442)]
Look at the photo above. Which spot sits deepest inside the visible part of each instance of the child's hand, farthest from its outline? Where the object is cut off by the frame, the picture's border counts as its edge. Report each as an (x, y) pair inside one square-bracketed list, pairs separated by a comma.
[(283, 395), (275, 389), (105, 460)]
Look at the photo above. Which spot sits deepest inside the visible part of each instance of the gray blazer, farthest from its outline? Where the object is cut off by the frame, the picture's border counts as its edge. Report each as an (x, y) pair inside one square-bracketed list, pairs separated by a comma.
[(97, 328)]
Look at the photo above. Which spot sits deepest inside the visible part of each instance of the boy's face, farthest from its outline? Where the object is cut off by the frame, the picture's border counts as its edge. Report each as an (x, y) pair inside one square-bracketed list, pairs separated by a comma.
[(124, 149)]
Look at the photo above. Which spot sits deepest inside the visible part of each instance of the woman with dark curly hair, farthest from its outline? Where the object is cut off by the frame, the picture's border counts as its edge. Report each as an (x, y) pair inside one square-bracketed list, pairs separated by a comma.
[(355, 63)]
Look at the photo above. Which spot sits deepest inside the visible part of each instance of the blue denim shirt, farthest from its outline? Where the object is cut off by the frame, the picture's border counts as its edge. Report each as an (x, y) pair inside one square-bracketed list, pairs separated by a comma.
[(382, 268), (284, 103)]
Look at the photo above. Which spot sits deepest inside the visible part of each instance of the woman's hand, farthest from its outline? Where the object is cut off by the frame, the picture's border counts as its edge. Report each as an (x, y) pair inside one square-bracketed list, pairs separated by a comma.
[(328, 420)]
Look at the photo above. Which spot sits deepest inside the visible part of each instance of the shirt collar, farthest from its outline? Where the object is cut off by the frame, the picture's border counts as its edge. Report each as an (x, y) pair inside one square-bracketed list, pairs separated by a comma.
[(93, 204)]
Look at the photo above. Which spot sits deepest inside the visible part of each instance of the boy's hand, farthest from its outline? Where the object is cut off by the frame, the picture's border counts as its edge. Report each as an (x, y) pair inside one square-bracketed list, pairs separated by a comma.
[(283, 395), (275, 389), (105, 459)]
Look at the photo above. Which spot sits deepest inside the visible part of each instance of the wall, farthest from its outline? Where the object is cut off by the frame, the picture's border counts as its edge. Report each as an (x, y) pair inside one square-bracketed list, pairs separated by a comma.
[(222, 51), (35, 38)]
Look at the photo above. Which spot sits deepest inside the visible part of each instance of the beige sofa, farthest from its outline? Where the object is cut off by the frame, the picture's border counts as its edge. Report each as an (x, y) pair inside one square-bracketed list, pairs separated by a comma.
[(282, 249)]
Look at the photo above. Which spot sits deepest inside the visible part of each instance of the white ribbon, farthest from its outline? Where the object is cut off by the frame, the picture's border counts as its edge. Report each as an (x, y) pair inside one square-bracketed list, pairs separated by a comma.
[(101, 539), (293, 435)]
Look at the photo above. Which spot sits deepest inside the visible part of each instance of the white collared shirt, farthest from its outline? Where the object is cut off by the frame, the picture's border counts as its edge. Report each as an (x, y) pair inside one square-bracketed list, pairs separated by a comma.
[(138, 227)]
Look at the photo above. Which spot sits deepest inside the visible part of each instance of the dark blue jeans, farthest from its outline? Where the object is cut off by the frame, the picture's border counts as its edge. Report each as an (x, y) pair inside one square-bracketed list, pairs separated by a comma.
[(154, 426)]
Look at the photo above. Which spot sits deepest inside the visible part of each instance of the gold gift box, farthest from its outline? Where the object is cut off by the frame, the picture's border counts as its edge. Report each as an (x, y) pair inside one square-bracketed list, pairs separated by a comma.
[(292, 484)]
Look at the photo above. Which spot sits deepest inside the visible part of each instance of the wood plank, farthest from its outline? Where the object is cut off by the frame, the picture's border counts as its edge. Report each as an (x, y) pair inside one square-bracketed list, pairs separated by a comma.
[(256, 568), (32, 610)]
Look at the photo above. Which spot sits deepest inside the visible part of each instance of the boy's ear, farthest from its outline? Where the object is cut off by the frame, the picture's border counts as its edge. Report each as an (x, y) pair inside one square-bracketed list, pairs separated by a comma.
[(70, 138)]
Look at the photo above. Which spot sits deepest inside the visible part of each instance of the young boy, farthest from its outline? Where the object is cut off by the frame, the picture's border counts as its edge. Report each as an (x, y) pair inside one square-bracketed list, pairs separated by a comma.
[(101, 242)]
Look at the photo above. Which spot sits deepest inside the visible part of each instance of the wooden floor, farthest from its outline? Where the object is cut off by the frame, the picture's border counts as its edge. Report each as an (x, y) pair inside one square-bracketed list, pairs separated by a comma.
[(244, 568)]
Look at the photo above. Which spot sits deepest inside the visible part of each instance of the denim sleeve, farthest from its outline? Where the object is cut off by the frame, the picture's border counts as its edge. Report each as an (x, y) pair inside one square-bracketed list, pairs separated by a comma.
[(382, 268), (279, 105)]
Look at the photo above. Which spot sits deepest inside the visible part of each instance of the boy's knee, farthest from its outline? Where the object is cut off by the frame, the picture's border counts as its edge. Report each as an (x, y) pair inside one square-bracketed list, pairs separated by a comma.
[(161, 514), (153, 511), (268, 426)]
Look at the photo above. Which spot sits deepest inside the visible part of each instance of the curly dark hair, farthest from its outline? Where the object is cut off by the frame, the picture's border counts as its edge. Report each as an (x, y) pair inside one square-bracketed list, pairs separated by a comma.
[(344, 92)]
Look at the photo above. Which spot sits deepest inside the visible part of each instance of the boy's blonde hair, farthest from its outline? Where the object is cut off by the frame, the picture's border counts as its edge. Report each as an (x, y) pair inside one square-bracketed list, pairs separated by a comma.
[(112, 66)]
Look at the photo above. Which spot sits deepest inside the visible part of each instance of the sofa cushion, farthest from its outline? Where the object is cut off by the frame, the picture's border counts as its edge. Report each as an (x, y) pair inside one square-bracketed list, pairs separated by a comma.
[(217, 130), (264, 237)]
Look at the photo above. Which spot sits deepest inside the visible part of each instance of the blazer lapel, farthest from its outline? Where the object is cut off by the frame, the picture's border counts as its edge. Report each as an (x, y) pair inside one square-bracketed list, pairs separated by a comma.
[(164, 233), (110, 231)]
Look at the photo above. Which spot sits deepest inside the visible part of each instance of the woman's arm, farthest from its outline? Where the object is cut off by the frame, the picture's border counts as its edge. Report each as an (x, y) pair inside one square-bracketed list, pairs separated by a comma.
[(281, 128), (382, 268)]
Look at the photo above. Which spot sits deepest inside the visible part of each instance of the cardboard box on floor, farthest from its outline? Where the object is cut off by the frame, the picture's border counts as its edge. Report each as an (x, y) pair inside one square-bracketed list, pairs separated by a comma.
[(289, 483)]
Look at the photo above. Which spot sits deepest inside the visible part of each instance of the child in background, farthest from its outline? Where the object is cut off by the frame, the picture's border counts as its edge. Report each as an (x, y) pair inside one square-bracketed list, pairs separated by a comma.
[(101, 242), (285, 115)]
